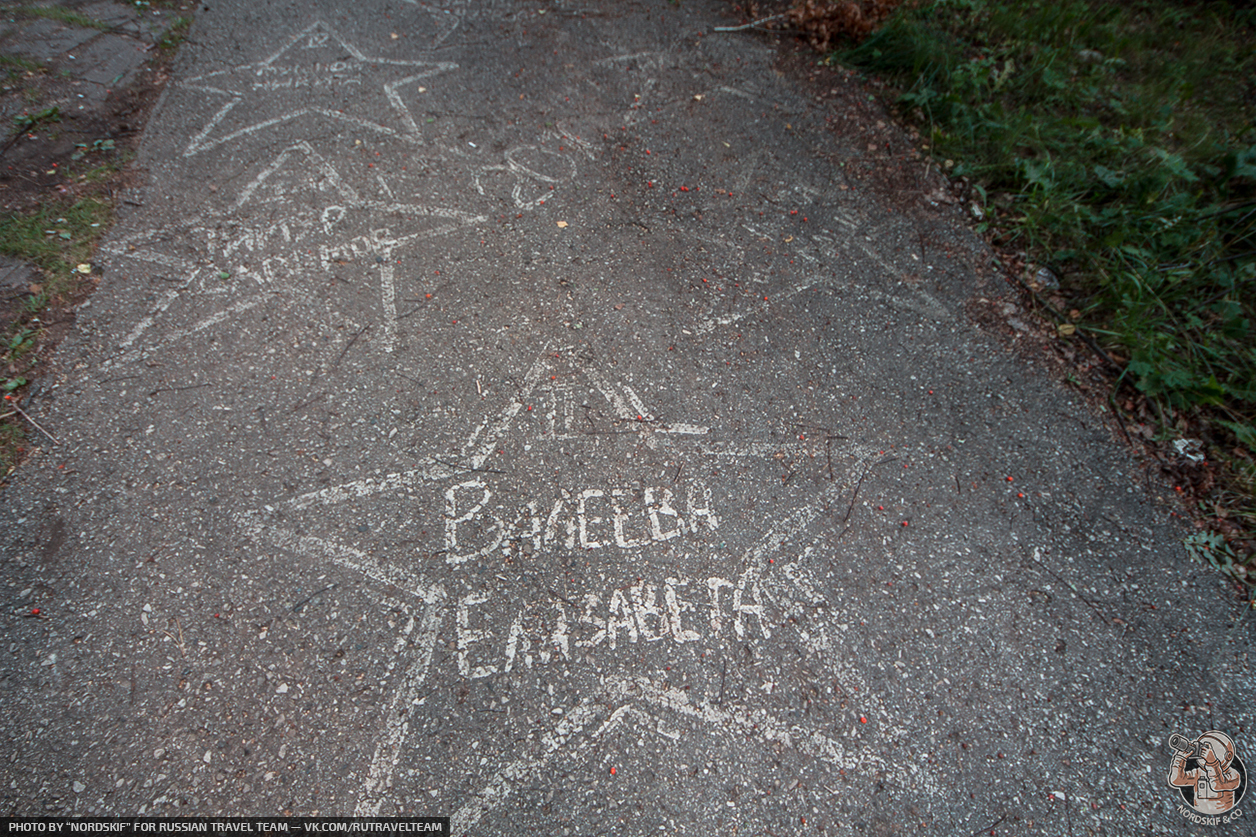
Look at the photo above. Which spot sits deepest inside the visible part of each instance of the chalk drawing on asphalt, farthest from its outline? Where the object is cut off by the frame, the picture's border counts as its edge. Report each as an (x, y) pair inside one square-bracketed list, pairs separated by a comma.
[(493, 634), (316, 72), (253, 257)]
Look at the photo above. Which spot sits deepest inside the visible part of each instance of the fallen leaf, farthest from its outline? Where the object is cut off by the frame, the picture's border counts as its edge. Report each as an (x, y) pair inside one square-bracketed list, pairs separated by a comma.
[(1066, 329)]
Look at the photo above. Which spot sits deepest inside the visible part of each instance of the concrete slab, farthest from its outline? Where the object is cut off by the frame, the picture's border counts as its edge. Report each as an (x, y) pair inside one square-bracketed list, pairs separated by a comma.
[(537, 415), (111, 61), (45, 40), (114, 14)]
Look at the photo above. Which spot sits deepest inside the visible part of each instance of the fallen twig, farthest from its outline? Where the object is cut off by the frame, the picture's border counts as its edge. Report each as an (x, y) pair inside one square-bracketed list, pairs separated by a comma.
[(177, 389), (349, 345), (182, 646), (297, 607), (407, 377), (989, 827), (304, 404), (1071, 586), (855, 494), (750, 25), (26, 416)]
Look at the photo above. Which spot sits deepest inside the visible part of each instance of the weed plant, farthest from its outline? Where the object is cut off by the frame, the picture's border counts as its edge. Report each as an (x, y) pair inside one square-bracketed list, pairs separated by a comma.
[(1115, 143)]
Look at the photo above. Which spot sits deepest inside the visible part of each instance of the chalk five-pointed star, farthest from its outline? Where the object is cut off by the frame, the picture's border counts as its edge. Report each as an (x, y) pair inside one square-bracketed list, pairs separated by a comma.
[(307, 524), (330, 223), (315, 72)]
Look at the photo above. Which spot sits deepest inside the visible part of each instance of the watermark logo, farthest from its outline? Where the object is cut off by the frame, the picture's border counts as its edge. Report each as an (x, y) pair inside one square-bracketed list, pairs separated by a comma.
[(1210, 776)]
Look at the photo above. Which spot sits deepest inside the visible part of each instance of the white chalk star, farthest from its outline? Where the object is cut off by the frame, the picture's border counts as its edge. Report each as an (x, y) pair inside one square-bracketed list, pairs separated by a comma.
[(321, 73)]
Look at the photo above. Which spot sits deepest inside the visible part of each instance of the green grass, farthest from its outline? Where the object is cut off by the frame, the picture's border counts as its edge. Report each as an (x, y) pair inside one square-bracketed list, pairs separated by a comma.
[(56, 239), (1115, 143), (173, 37), (60, 15), (16, 65)]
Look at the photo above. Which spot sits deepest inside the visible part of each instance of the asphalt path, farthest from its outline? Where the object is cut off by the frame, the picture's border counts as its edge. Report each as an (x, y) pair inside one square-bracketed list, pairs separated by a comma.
[(544, 415)]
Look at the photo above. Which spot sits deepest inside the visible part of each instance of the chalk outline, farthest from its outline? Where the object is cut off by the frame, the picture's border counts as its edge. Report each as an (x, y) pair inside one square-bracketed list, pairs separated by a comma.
[(456, 15), (351, 198), (200, 141), (388, 750), (644, 700)]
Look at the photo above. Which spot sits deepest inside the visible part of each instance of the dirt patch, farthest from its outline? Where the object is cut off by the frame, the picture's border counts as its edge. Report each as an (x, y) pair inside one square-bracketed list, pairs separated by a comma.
[(67, 158)]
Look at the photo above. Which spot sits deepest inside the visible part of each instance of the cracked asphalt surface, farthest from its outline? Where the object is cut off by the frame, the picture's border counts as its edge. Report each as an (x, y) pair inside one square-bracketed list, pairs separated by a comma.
[(546, 415)]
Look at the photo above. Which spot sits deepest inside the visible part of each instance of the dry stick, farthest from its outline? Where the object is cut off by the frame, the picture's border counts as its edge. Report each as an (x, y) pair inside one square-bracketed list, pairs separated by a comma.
[(1063, 319), (1120, 421), (24, 415), (304, 404), (349, 345), (748, 25), (989, 827), (407, 377), (180, 644), (1072, 587), (178, 389), (555, 595), (867, 471), (1116, 411), (297, 607)]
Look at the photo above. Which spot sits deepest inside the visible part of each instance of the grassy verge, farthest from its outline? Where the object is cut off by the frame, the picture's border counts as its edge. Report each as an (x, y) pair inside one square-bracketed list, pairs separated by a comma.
[(60, 241), (56, 239), (1115, 145), (72, 204)]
